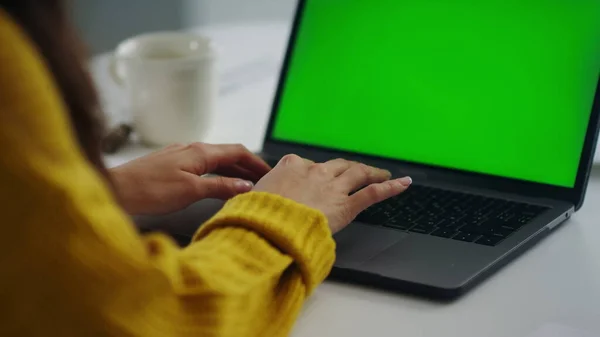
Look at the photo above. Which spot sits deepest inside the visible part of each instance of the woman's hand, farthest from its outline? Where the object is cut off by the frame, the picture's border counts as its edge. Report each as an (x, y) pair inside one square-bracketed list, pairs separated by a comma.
[(329, 187), (171, 179)]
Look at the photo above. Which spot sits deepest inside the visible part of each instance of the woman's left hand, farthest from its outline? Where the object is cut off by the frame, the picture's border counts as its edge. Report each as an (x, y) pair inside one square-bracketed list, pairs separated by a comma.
[(172, 179)]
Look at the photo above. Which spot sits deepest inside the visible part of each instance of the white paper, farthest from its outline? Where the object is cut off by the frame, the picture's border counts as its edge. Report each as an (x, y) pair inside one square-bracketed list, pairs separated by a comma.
[(557, 330)]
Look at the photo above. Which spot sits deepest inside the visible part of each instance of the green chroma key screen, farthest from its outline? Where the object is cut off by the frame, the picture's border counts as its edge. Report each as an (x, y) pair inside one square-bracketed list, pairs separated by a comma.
[(501, 87)]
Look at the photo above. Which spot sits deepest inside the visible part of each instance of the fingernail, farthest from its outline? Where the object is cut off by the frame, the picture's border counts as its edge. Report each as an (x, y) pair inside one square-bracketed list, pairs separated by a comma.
[(406, 181), (244, 185)]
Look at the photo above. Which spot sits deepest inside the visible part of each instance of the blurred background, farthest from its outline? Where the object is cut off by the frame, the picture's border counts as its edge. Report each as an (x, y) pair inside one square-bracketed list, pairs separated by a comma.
[(104, 23)]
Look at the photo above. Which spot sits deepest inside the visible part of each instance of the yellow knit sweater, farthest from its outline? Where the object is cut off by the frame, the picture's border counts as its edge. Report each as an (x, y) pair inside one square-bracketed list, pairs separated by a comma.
[(72, 263)]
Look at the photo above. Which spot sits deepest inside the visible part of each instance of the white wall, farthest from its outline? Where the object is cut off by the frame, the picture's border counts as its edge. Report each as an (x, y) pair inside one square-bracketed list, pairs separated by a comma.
[(199, 12), (104, 23)]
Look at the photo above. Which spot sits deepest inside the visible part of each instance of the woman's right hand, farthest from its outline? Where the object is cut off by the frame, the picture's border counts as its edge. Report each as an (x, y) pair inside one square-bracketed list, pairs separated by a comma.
[(328, 186)]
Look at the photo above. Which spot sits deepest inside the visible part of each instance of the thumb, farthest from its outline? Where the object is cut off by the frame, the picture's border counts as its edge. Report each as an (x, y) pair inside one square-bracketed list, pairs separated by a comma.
[(221, 187)]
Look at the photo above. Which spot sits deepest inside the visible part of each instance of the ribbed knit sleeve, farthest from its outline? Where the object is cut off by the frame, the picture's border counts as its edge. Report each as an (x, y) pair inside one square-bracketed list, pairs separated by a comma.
[(74, 265), (274, 217)]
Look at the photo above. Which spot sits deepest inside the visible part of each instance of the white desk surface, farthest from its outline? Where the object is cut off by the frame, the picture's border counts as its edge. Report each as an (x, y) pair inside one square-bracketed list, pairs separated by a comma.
[(554, 287)]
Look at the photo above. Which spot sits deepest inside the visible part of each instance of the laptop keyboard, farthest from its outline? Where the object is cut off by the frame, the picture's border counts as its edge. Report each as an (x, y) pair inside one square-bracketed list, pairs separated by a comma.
[(453, 215)]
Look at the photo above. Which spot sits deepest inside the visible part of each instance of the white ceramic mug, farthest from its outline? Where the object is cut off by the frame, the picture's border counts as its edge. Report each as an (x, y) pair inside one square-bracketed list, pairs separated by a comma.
[(172, 85)]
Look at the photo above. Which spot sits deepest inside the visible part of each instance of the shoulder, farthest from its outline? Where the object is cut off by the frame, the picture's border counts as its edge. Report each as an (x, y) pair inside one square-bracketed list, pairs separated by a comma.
[(30, 102), (35, 130), (23, 70)]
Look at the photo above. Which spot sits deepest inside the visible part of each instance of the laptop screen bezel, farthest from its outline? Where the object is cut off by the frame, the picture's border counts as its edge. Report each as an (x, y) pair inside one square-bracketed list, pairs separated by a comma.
[(573, 195)]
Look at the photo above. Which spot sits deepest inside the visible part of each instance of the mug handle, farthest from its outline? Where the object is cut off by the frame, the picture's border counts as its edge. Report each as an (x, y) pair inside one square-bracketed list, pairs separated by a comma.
[(115, 72)]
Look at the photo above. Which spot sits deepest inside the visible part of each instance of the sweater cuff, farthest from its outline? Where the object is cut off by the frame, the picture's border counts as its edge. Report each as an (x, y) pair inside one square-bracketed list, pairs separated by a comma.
[(297, 230)]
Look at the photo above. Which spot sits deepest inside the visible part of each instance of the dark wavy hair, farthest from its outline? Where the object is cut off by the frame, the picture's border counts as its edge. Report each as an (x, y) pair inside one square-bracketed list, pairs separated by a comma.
[(48, 25)]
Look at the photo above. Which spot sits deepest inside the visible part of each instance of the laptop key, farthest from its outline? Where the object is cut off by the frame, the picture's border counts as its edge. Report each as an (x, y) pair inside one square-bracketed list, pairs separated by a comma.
[(498, 232), (444, 233), (522, 220), (512, 226), (397, 223), (506, 216), (430, 221), (375, 218), (489, 240), (455, 218), (467, 237), (473, 220), (421, 229), (475, 229)]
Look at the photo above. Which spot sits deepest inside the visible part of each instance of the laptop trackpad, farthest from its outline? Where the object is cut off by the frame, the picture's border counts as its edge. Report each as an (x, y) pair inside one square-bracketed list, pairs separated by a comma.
[(359, 243)]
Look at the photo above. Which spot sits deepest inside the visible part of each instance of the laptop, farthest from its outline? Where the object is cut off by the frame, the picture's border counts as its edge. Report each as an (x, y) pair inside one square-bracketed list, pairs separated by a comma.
[(492, 107)]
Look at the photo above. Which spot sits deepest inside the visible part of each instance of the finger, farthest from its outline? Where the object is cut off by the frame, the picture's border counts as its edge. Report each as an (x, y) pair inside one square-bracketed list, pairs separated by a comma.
[(337, 166), (221, 156), (237, 171), (245, 158), (376, 193), (361, 175), (294, 160), (221, 187)]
